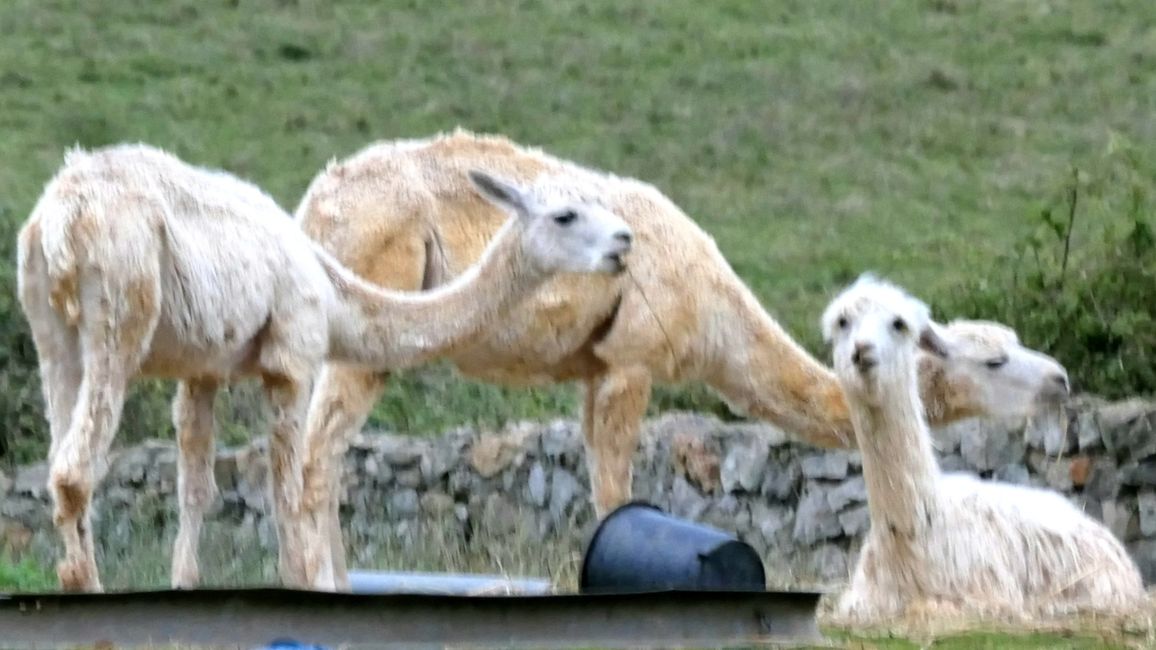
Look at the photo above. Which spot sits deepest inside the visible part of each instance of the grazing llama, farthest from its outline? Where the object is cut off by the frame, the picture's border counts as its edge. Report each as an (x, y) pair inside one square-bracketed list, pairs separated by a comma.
[(136, 264), (680, 314), (951, 544)]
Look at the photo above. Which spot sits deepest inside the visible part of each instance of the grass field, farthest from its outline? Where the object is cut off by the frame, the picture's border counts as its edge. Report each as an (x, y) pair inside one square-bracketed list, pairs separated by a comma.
[(814, 139)]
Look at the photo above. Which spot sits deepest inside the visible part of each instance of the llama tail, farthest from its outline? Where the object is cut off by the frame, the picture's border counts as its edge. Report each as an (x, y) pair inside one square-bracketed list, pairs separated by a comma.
[(51, 229)]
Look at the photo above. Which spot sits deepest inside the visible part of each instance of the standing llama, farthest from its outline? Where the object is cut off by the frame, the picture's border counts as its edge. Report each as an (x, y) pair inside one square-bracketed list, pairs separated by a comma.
[(951, 544), (136, 264), (680, 314)]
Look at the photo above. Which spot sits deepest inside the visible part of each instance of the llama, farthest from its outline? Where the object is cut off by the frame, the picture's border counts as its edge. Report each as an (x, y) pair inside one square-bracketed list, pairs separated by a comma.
[(134, 263), (680, 314), (951, 544)]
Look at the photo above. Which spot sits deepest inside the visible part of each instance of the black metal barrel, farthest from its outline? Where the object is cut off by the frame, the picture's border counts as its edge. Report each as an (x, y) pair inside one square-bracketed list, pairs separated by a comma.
[(638, 547)]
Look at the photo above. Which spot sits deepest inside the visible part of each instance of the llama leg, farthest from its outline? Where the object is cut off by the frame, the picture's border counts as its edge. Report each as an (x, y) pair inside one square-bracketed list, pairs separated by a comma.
[(57, 343), (341, 402), (615, 404), (196, 485), (288, 395), (116, 331)]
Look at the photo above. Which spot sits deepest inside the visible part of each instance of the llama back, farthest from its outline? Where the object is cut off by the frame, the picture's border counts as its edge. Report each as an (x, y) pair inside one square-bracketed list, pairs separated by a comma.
[(1065, 560)]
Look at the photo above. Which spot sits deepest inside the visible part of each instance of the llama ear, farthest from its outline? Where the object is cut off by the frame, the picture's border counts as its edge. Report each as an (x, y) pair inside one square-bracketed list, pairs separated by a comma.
[(499, 192), (932, 341)]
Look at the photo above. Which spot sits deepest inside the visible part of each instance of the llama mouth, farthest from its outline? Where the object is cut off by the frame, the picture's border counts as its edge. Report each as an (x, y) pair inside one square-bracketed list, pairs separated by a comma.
[(617, 265)]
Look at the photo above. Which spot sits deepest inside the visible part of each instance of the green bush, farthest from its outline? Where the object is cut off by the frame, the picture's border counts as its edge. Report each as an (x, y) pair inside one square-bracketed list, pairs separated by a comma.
[(1082, 285)]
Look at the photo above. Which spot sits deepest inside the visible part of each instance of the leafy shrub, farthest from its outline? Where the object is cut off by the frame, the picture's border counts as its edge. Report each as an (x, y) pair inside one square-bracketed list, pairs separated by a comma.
[(1082, 284)]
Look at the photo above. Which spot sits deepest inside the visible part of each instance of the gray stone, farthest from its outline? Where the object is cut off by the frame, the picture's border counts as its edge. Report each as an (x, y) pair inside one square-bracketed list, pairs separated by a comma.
[(437, 503), (404, 503), (685, 501), (1092, 507), (814, 520), (772, 522), (131, 465), (560, 439), (165, 463), (409, 477), (1088, 431), (1144, 552), (397, 451), (855, 521), (371, 467), (1121, 518), (1059, 475), (499, 516), (1146, 504), (563, 489), (1015, 474), (780, 481), (744, 465), (435, 464), (728, 514), (1127, 428), (1140, 474), (829, 563), (853, 490), (1103, 479), (953, 463), (985, 450), (536, 485), (829, 465), (31, 480)]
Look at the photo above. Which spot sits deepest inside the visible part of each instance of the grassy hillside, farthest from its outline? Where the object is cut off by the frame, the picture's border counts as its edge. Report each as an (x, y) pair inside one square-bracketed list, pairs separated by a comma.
[(814, 140)]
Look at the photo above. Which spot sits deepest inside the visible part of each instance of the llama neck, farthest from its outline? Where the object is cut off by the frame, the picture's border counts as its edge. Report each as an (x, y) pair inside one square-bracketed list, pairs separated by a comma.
[(899, 466), (764, 373), (761, 371), (388, 329)]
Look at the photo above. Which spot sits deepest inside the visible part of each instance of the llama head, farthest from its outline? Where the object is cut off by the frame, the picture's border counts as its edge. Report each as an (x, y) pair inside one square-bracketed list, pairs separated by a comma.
[(991, 373), (876, 329), (974, 367), (560, 233)]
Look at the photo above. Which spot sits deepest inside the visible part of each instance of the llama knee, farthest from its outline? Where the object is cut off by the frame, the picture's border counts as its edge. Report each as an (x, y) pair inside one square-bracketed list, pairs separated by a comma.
[(200, 494), (71, 488)]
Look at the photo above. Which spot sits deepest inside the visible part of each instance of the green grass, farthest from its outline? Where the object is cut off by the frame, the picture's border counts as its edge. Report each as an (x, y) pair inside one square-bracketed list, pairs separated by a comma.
[(814, 140)]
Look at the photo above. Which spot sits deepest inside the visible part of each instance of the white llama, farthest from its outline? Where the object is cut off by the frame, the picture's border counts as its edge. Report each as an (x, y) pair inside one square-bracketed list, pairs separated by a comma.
[(681, 315), (951, 543), (136, 264)]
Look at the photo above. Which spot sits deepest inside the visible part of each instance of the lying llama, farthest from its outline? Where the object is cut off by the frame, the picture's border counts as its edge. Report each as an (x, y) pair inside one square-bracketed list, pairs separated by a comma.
[(136, 264), (682, 314), (951, 543)]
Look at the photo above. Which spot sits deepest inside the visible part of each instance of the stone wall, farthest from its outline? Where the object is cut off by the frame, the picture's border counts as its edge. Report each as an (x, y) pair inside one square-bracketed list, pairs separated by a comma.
[(803, 508)]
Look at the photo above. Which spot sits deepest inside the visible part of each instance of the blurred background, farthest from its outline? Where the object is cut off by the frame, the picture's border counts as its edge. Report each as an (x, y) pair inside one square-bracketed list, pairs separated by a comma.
[(995, 158)]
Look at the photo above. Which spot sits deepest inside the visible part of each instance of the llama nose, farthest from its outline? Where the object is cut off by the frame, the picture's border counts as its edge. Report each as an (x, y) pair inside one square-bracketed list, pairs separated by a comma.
[(1061, 381), (625, 237), (861, 353)]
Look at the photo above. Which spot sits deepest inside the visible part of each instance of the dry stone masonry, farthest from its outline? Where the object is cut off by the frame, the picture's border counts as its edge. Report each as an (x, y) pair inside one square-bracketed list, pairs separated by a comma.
[(804, 509)]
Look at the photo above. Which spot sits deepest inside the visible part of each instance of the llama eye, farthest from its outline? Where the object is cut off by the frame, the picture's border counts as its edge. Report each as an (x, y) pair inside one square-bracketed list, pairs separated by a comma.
[(996, 363), (899, 324), (565, 218), (841, 323)]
